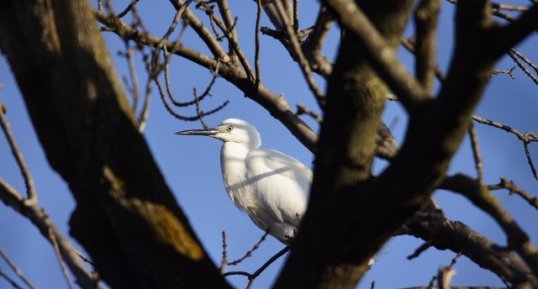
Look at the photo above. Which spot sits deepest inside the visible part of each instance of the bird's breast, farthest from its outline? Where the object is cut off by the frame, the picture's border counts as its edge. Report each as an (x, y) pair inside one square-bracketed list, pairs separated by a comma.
[(234, 175)]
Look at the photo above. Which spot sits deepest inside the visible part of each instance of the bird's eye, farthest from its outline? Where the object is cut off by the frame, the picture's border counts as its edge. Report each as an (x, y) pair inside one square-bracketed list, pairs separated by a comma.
[(230, 128)]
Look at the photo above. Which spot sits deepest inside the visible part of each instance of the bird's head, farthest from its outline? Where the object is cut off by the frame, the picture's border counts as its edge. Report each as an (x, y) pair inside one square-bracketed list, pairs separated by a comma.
[(231, 130)]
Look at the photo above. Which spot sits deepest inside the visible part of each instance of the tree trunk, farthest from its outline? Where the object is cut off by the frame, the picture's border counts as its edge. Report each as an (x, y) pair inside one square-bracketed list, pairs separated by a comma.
[(126, 216)]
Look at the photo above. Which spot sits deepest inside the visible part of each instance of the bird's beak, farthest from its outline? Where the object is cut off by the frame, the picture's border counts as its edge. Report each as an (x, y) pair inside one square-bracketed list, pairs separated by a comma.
[(206, 132)]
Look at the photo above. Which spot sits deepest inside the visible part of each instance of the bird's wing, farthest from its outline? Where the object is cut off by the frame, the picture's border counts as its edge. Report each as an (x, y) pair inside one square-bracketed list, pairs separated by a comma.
[(281, 182)]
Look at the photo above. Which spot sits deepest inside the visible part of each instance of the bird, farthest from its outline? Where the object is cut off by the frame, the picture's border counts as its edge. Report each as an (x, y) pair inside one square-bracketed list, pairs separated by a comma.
[(270, 186)]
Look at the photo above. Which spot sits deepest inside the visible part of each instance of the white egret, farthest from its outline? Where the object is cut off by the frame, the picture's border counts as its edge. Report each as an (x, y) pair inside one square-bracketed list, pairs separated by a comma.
[(271, 187)]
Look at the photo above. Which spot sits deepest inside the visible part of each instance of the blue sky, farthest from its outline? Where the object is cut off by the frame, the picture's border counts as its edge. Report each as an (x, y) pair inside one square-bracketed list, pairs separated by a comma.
[(191, 165)]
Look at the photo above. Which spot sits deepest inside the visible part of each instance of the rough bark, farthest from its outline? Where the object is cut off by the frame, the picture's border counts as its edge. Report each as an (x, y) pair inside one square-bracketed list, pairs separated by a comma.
[(351, 215), (356, 97), (126, 216)]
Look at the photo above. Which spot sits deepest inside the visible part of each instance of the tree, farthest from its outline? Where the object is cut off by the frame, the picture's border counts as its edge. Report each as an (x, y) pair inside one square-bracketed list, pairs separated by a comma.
[(127, 218)]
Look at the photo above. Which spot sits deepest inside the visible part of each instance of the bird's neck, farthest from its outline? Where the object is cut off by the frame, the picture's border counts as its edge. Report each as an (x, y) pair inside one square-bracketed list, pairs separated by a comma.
[(232, 161), (232, 151)]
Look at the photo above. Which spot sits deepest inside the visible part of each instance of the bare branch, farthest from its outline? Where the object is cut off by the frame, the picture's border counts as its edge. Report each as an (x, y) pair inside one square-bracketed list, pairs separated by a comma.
[(249, 252), (10, 280), (16, 269), (134, 86), (301, 109), (382, 57), (46, 227), (252, 276), (224, 261), (431, 225), (180, 116), (19, 158), (233, 39), (314, 43), (509, 72), (409, 45), (516, 56), (275, 104), (229, 22), (419, 250), (127, 9), (479, 166), (295, 16), (515, 189), (303, 62), (526, 138), (204, 34), (257, 42), (426, 25), (61, 262), (481, 197), (502, 39)]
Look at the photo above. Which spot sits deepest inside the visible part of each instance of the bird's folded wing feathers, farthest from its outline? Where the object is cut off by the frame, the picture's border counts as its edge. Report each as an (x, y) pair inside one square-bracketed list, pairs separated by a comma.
[(282, 182)]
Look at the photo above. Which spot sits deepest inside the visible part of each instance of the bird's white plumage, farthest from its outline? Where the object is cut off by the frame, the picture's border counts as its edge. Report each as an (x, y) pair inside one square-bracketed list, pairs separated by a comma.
[(271, 187)]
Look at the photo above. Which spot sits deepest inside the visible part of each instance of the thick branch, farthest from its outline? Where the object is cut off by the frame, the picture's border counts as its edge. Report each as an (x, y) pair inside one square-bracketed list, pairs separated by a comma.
[(355, 101), (275, 104), (508, 36), (426, 25), (368, 212), (480, 196), (380, 54), (432, 226)]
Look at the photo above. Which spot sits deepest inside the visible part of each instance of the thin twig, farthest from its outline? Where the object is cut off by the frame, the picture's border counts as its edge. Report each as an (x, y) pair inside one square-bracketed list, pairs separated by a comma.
[(479, 166), (10, 280), (526, 138), (257, 43), (303, 62), (516, 190), (313, 45), (127, 9), (19, 158), (509, 72), (251, 251), (301, 109), (419, 250), (269, 262), (58, 254), (134, 87), (144, 114), (449, 267), (230, 31), (516, 58), (179, 116), (16, 269), (252, 276), (224, 261), (529, 160), (202, 31), (525, 59)]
